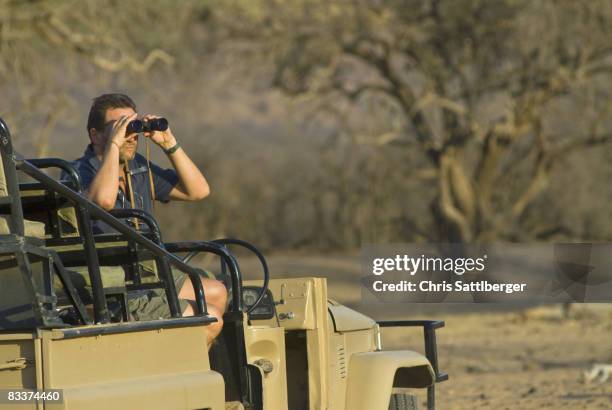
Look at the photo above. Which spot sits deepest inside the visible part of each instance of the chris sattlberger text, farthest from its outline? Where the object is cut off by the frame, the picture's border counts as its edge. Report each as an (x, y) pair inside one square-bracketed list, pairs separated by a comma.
[(459, 286)]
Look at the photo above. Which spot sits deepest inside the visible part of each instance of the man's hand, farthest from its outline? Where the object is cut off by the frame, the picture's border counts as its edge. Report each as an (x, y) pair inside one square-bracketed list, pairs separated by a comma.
[(165, 139), (105, 185), (117, 133)]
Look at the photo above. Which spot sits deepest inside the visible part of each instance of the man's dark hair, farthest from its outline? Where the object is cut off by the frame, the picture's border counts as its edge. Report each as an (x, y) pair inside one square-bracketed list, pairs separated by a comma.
[(103, 103)]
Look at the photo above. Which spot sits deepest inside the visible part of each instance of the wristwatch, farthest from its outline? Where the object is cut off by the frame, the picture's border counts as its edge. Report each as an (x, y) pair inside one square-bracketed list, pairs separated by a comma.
[(173, 149)]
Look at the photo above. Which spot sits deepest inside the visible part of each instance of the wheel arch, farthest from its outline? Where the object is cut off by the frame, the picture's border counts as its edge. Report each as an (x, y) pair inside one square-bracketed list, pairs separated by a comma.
[(372, 376)]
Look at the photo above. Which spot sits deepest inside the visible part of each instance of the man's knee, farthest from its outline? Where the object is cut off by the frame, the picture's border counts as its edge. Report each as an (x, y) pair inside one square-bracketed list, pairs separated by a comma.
[(215, 292)]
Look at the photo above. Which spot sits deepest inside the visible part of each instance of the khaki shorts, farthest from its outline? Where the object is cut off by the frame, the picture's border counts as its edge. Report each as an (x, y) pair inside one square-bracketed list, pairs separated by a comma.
[(143, 305), (153, 304)]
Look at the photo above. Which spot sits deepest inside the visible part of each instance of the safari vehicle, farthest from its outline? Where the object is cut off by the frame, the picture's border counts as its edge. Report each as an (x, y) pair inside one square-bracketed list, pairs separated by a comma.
[(64, 320)]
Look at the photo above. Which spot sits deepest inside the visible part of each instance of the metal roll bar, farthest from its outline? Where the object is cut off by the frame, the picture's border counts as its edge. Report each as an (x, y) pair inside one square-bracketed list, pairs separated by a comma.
[(226, 256), (84, 209), (64, 165)]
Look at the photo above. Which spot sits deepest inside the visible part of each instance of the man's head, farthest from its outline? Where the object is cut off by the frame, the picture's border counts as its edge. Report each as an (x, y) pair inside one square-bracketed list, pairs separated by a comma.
[(105, 110)]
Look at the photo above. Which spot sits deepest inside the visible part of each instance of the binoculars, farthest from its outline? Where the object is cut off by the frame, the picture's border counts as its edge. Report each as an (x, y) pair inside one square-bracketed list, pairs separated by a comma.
[(155, 124)]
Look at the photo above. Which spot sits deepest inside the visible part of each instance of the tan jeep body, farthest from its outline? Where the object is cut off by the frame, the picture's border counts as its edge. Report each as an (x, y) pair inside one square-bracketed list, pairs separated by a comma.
[(168, 368)]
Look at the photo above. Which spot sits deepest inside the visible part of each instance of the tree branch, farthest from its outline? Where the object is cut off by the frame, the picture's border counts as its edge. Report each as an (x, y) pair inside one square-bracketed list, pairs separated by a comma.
[(446, 201)]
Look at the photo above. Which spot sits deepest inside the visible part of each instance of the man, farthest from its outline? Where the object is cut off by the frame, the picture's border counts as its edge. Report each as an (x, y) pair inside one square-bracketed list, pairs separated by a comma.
[(115, 176)]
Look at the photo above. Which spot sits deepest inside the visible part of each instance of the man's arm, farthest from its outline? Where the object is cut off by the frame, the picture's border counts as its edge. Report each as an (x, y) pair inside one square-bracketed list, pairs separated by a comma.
[(192, 185), (105, 185)]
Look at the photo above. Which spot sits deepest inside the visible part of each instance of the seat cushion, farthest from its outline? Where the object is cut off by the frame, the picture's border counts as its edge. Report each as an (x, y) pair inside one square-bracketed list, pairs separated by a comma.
[(32, 228), (3, 188), (67, 216), (112, 277)]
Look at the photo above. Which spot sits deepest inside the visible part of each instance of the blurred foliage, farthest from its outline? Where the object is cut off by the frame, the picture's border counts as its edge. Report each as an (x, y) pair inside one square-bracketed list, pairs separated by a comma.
[(328, 124), (38, 37), (476, 87)]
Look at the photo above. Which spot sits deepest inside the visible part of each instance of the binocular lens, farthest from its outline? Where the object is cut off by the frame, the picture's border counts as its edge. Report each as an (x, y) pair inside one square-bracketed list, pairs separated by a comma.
[(155, 124), (134, 126)]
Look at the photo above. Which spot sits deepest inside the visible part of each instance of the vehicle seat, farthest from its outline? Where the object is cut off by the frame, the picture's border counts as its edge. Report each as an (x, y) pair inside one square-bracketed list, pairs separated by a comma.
[(31, 228), (113, 277)]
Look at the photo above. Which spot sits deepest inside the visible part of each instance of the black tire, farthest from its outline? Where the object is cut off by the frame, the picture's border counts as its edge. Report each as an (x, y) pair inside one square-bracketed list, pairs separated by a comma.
[(402, 401)]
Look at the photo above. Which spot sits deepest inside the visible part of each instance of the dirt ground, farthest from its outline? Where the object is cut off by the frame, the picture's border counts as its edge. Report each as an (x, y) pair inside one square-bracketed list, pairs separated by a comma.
[(524, 360), (497, 356)]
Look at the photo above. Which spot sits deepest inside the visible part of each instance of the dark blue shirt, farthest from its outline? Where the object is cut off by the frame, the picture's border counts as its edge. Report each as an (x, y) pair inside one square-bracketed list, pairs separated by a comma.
[(163, 181)]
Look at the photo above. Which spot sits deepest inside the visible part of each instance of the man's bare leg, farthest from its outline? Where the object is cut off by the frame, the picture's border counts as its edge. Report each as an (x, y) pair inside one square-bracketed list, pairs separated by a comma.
[(216, 301)]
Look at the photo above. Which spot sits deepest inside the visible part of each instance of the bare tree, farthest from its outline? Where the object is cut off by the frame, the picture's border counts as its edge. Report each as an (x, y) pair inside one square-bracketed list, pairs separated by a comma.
[(492, 95)]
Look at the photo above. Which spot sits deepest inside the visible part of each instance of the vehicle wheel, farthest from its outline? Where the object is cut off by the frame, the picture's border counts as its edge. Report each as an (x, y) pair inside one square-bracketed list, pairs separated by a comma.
[(402, 401)]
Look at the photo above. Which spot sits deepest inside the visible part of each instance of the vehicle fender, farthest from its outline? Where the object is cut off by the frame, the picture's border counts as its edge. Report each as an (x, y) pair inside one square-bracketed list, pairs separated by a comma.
[(372, 375)]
